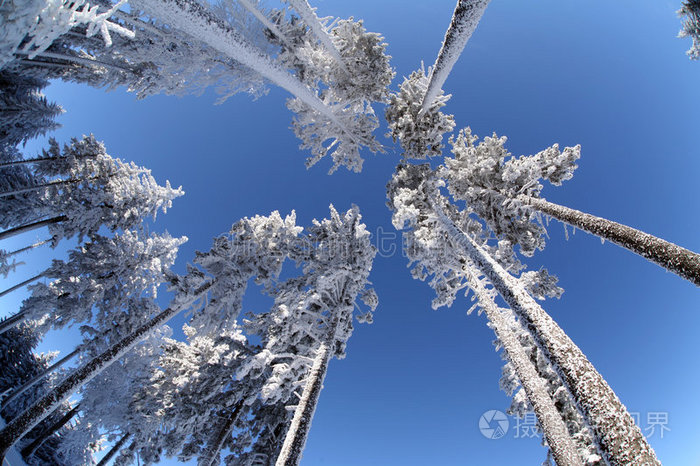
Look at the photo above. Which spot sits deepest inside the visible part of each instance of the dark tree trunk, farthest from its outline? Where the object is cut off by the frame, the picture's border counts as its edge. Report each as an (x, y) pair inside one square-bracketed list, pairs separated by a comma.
[(224, 430), (20, 285), (49, 431), (31, 226), (672, 257), (114, 450)]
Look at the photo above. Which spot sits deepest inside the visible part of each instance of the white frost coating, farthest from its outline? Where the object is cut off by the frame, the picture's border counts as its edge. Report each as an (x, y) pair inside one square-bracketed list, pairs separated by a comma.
[(555, 431), (309, 17), (620, 439), (248, 5), (294, 442), (464, 21)]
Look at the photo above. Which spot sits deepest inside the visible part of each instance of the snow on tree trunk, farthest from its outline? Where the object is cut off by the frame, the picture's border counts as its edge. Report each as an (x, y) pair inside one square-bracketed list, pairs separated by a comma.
[(12, 322), (31, 226), (551, 422), (49, 431), (114, 450), (248, 5), (672, 257), (464, 21), (29, 383), (298, 432), (33, 415), (308, 15), (193, 19), (211, 455), (620, 439)]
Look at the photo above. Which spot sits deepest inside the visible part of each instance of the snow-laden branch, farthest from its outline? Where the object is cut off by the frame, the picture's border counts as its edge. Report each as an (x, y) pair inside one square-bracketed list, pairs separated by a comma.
[(464, 21)]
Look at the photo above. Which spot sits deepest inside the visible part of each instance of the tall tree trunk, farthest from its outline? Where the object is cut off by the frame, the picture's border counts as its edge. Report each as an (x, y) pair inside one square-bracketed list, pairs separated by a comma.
[(298, 432), (9, 233), (13, 321), (211, 455), (114, 450), (309, 17), (49, 431), (33, 415), (464, 21), (27, 248), (681, 261), (31, 382), (248, 5), (620, 439), (42, 185), (20, 285), (551, 422)]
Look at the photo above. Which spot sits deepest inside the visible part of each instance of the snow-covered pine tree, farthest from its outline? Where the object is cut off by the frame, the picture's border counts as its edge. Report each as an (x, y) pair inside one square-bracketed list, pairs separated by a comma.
[(450, 271), (690, 12), (84, 189), (414, 193), (505, 192)]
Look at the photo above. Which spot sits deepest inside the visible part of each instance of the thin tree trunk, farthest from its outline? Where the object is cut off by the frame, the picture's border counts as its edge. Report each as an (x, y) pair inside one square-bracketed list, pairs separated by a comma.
[(15, 163), (43, 185), (298, 432), (553, 426), (681, 261), (31, 226), (12, 322), (31, 382), (33, 415), (20, 285), (48, 432), (620, 439), (212, 452), (76, 60), (113, 451), (309, 17), (248, 5), (464, 21), (27, 248)]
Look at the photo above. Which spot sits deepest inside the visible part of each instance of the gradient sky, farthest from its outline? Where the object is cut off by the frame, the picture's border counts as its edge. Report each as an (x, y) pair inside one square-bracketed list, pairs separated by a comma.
[(611, 76)]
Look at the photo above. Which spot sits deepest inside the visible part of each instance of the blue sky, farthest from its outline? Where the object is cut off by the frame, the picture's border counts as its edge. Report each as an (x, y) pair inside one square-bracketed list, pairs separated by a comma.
[(611, 76)]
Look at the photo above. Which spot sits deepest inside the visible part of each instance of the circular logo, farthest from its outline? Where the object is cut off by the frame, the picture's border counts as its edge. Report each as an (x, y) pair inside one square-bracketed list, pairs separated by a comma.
[(493, 424)]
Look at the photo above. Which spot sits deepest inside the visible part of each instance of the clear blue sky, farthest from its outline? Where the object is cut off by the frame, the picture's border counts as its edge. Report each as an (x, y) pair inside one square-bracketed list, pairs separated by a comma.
[(611, 76)]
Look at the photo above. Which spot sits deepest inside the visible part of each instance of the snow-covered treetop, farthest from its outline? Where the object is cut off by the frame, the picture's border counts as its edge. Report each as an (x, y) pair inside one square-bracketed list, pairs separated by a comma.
[(487, 176), (419, 133), (690, 12)]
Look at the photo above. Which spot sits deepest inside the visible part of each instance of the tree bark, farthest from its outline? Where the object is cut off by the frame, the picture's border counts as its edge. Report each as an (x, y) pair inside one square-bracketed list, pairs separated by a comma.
[(31, 226), (464, 21), (212, 453), (48, 432), (12, 322), (39, 186), (31, 382), (33, 415), (551, 422), (298, 432), (113, 451), (621, 441), (681, 261), (20, 285)]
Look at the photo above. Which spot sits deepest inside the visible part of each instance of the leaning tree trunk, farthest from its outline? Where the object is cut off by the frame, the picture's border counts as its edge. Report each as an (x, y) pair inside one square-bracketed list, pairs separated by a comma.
[(31, 226), (672, 257), (20, 285), (49, 431), (621, 441), (33, 415), (211, 454), (31, 382), (551, 422), (464, 21), (298, 432), (114, 450)]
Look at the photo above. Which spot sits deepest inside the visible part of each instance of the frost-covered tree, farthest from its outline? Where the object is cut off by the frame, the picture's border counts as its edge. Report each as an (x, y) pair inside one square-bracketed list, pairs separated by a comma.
[(505, 192), (690, 12), (420, 137), (414, 194), (81, 188), (103, 273)]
